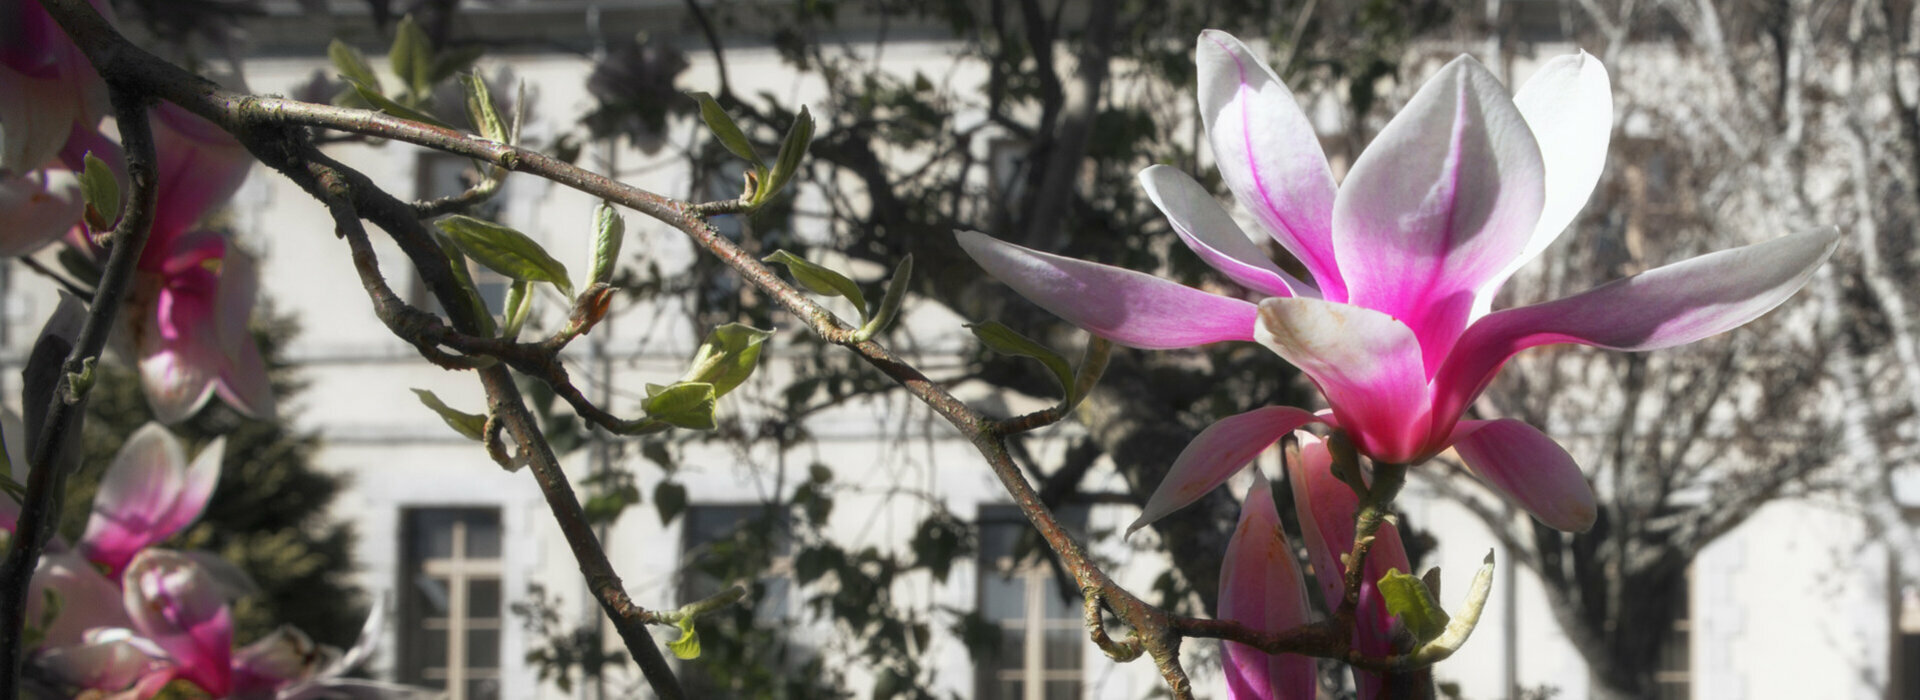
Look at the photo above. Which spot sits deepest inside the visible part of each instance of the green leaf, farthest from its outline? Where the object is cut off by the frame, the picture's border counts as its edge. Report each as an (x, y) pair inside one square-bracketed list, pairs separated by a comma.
[(821, 280), (1408, 598), (792, 150), (685, 404), (412, 56), (688, 645), (457, 263), (609, 232), (486, 119), (102, 192), (385, 104), (890, 304), (352, 65), (727, 357), (518, 302), (671, 499), (506, 251), (819, 473), (1006, 341), (471, 425), (726, 131)]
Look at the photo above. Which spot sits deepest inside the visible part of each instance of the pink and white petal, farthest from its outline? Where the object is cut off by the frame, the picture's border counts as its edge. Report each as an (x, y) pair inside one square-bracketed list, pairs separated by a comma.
[(1215, 455), (87, 600), (137, 492), (37, 209), (1663, 307), (178, 606), (200, 167), (1269, 154), (1568, 105), (1212, 234), (1123, 306), (1366, 363), (108, 665), (1443, 199), (35, 115), (243, 383), (1532, 471), (1324, 506), (176, 387), (197, 480), (1260, 587)]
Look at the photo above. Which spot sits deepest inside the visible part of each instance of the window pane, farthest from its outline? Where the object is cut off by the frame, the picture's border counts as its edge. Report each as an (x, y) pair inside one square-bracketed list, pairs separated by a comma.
[(483, 598), (483, 689), (1063, 650), (433, 533), (1002, 597), (483, 530), (1013, 690), (1013, 648), (429, 597), (483, 648), (430, 648), (1063, 690), (1060, 607)]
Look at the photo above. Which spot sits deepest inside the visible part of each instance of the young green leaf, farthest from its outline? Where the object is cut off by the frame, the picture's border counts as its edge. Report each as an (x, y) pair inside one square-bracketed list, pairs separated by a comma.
[(506, 251), (821, 280), (386, 104), (1408, 598), (1006, 341), (486, 119), (726, 131), (457, 264), (685, 404), (890, 304), (102, 192), (471, 425), (688, 645), (412, 56), (726, 358), (518, 302), (352, 65), (792, 150), (609, 232)]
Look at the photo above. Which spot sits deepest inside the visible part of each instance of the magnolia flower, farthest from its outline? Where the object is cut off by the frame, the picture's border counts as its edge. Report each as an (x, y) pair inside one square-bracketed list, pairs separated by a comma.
[(1460, 190), (183, 609), (195, 290), (1260, 588), (149, 493)]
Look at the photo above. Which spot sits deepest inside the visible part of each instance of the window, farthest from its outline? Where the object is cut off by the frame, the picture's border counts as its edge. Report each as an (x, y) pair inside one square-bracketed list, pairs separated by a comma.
[(445, 175), (451, 601), (1673, 678), (1041, 650), (1906, 644), (719, 540)]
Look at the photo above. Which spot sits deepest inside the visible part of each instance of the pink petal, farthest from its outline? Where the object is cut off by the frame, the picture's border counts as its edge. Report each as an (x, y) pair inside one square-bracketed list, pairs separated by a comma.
[(1366, 363), (36, 209), (137, 497), (1215, 455), (1568, 105), (1124, 306), (1269, 154), (108, 665), (200, 169), (1260, 588), (87, 600), (1521, 463), (1446, 196), (1213, 235), (35, 115), (1663, 307), (196, 487), (181, 609)]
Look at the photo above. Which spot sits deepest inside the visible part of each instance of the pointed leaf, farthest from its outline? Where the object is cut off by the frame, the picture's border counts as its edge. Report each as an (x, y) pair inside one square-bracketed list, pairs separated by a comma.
[(792, 150), (821, 280), (472, 425), (609, 232), (480, 109), (685, 404), (726, 358), (671, 500), (412, 56), (506, 251), (352, 65), (457, 263), (726, 131), (386, 104), (101, 191), (1006, 341), (688, 645), (1408, 599), (890, 303)]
